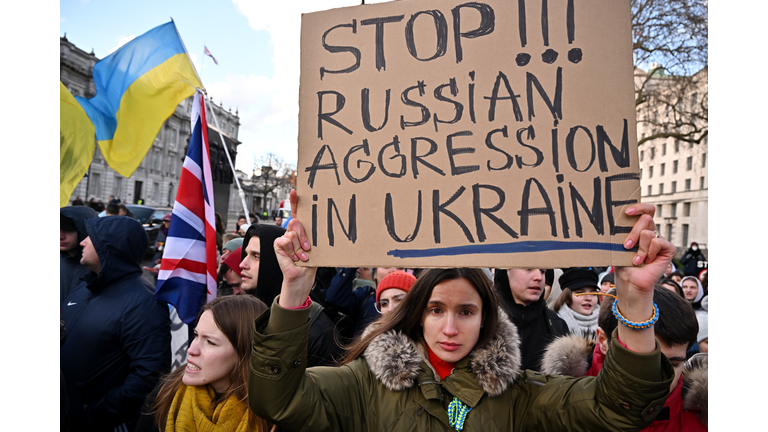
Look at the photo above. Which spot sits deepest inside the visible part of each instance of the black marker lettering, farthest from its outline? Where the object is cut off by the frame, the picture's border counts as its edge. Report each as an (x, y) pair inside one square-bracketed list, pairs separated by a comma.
[(381, 63), (441, 32), (487, 23), (438, 208), (488, 212), (389, 220), (321, 116), (337, 49)]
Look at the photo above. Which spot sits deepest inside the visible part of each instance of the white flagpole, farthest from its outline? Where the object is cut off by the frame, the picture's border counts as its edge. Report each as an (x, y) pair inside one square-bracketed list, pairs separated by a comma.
[(232, 166)]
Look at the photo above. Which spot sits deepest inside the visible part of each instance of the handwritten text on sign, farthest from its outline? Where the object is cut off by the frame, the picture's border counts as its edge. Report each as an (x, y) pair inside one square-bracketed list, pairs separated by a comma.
[(441, 133)]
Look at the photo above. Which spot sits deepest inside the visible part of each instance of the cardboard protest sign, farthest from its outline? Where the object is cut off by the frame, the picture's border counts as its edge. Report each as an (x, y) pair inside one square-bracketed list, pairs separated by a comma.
[(477, 134)]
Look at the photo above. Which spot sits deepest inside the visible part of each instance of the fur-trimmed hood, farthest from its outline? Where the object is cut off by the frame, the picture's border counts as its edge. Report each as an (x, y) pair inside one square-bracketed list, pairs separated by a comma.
[(696, 386), (395, 359), (570, 355)]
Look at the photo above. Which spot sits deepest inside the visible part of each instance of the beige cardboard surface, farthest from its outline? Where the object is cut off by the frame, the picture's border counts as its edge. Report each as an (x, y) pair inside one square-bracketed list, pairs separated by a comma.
[(446, 134)]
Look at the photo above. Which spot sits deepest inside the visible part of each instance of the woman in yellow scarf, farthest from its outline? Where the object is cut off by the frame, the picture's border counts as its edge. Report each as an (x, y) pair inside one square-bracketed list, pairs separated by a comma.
[(210, 393)]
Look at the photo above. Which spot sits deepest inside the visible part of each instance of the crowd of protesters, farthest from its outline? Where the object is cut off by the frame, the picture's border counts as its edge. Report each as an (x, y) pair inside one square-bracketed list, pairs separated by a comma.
[(292, 348)]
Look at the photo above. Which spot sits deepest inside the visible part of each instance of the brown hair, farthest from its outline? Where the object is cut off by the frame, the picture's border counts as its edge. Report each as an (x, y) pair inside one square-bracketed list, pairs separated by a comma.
[(234, 316), (407, 317)]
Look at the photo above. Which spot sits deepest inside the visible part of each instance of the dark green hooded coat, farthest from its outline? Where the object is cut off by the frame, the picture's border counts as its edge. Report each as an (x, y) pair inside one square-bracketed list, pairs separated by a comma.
[(393, 388)]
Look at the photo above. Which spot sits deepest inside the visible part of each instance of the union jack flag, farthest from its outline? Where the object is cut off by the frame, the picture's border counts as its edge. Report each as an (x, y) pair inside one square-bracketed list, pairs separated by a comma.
[(187, 276), (208, 53)]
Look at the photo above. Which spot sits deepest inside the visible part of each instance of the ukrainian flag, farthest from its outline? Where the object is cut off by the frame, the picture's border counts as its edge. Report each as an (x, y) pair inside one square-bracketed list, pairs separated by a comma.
[(76, 144), (137, 88)]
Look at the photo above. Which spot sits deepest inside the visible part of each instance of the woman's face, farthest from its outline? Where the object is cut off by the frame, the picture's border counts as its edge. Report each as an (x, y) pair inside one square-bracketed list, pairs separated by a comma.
[(690, 289), (452, 319), (240, 221), (583, 304), (210, 357)]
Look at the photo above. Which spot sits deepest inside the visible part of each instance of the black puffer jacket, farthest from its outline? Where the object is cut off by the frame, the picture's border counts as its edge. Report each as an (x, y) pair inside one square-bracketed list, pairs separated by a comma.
[(118, 336), (536, 324), (70, 270)]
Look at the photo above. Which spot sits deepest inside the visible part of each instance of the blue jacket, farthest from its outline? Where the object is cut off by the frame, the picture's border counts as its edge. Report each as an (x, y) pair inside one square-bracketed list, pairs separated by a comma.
[(356, 303), (118, 336), (70, 269)]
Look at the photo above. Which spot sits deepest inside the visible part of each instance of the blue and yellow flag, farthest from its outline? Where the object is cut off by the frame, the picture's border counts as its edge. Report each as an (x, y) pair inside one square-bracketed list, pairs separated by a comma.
[(77, 144), (137, 88)]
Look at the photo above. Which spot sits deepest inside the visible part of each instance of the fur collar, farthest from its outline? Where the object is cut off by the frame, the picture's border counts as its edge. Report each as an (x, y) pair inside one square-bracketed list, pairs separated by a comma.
[(569, 355), (695, 386), (395, 359)]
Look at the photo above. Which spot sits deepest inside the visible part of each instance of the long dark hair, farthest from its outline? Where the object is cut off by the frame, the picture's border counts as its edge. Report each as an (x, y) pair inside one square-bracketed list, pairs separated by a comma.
[(234, 316), (407, 317)]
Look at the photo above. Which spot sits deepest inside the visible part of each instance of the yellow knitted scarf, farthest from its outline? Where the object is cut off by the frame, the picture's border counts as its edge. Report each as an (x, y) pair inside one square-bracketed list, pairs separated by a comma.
[(192, 410)]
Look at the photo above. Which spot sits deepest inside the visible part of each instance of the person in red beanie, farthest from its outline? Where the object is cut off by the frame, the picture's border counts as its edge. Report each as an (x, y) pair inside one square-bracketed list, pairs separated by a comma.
[(392, 289), (230, 272)]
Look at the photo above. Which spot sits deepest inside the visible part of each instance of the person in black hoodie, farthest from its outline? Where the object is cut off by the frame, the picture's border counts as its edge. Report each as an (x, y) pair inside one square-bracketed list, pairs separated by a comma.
[(262, 277), (118, 336), (521, 295), (71, 234)]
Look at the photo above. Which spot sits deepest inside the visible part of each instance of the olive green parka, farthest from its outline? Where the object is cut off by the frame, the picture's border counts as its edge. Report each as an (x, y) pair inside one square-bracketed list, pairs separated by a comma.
[(393, 388)]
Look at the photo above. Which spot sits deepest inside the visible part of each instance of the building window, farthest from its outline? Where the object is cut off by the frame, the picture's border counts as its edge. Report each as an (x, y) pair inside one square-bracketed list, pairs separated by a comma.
[(650, 190), (659, 209), (689, 163), (703, 160), (642, 155), (685, 234), (674, 167), (686, 209), (677, 146), (650, 172), (155, 192), (664, 149), (687, 184), (96, 185), (653, 152), (673, 207), (669, 232), (661, 188), (658, 227), (701, 182), (641, 173), (117, 187), (674, 187), (662, 169)]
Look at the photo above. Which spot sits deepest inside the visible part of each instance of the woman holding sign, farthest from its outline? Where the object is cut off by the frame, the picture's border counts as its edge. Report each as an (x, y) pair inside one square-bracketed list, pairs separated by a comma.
[(448, 359)]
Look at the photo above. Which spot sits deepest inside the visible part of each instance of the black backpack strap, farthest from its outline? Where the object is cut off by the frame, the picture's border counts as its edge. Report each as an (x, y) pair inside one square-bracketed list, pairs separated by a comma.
[(317, 309)]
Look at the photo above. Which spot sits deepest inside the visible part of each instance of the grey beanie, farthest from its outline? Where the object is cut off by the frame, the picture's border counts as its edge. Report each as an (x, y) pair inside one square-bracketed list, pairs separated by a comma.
[(233, 244)]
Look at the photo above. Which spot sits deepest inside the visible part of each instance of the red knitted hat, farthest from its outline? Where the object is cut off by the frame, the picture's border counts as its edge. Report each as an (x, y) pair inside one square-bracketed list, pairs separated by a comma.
[(397, 279), (233, 260)]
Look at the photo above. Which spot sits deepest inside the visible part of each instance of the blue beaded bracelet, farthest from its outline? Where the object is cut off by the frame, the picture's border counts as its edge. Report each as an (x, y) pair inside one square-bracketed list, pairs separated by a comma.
[(636, 325)]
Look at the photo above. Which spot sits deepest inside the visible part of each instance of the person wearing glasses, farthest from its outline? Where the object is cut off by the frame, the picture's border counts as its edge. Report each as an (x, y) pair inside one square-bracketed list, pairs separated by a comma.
[(392, 289)]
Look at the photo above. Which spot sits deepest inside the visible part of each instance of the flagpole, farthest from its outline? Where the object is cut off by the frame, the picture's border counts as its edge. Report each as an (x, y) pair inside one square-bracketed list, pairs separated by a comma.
[(188, 56), (232, 166)]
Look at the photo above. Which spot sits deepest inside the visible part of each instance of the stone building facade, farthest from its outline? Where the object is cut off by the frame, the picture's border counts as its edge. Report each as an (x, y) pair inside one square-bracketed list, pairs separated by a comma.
[(156, 179), (674, 176)]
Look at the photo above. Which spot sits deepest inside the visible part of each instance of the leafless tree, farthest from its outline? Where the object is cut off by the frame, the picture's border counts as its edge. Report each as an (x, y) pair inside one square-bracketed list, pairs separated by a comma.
[(671, 47), (270, 172)]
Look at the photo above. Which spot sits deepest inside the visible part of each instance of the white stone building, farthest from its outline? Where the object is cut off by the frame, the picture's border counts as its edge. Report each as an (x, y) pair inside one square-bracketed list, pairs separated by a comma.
[(157, 178), (674, 174)]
